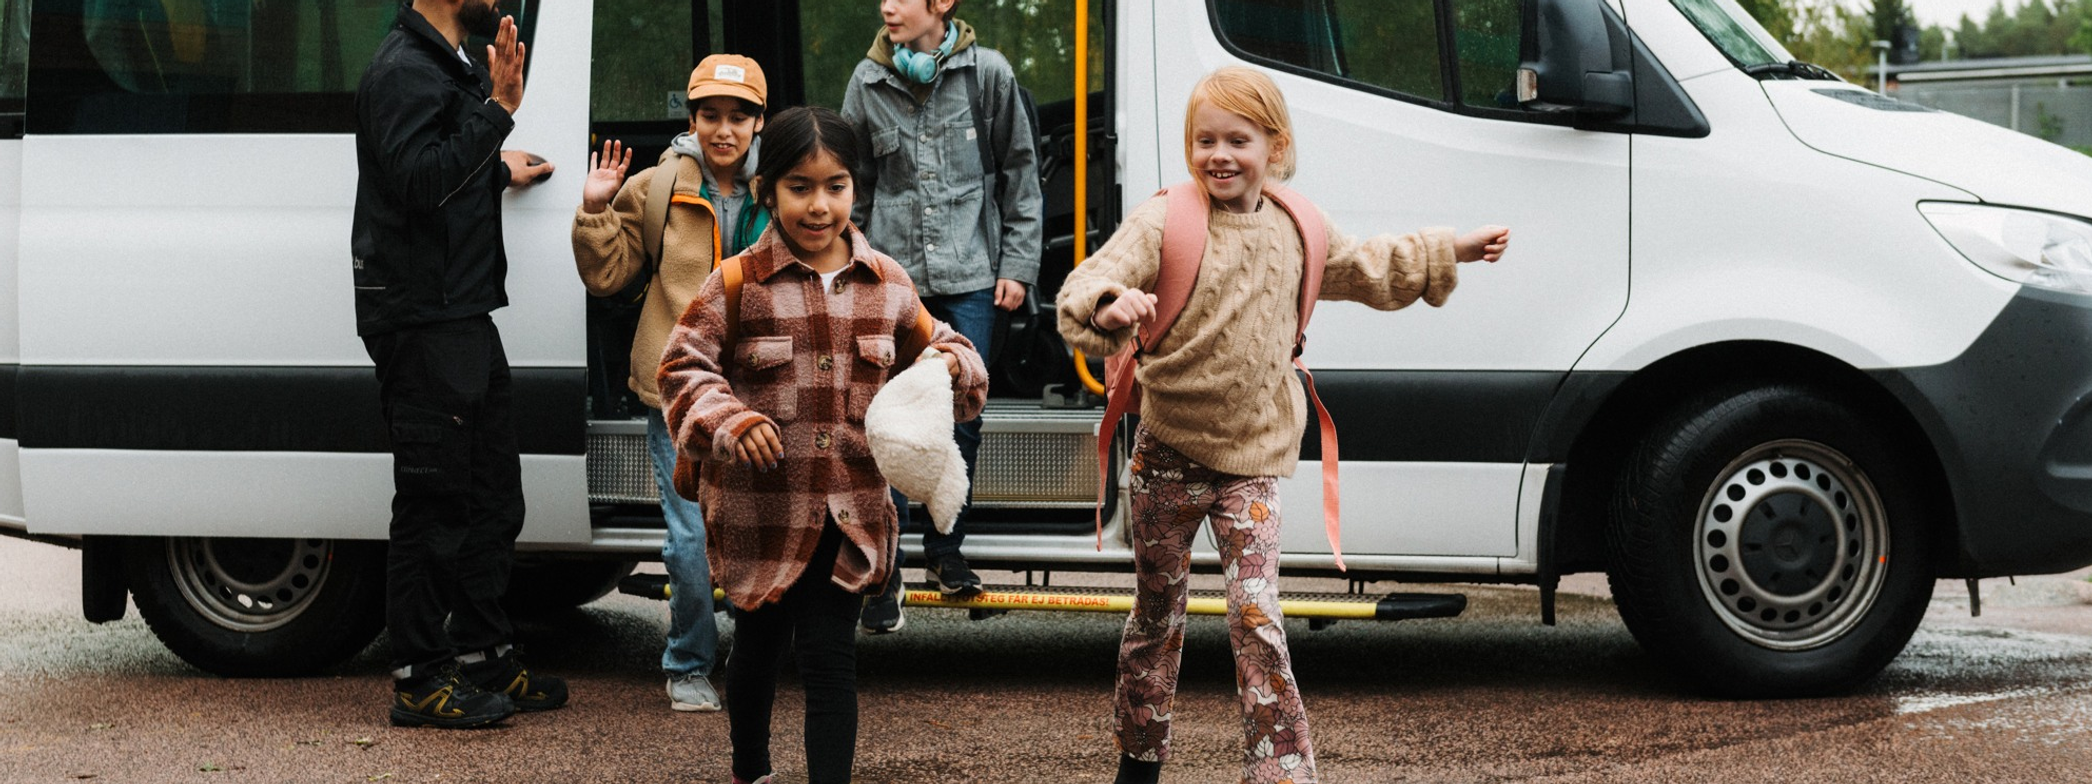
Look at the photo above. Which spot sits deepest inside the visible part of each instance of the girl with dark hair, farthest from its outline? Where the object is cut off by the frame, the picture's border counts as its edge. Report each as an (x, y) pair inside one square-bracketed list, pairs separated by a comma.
[(766, 379)]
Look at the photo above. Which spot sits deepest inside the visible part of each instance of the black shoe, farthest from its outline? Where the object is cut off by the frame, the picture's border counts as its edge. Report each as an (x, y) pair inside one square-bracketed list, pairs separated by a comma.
[(444, 699), (882, 612), (953, 578), (1133, 771), (506, 675)]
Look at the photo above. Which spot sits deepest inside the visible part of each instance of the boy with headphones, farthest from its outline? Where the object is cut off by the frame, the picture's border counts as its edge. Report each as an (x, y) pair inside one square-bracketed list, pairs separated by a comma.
[(951, 191)]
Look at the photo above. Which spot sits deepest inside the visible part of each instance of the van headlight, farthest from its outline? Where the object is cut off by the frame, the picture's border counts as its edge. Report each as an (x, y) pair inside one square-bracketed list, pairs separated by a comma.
[(2023, 246)]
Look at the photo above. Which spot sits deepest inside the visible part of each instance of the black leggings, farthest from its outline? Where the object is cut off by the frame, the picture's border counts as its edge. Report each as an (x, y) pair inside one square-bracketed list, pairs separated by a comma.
[(818, 622)]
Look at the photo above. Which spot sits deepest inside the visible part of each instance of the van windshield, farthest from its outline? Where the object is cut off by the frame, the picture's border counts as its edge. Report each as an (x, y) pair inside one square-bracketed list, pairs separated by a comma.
[(1734, 32)]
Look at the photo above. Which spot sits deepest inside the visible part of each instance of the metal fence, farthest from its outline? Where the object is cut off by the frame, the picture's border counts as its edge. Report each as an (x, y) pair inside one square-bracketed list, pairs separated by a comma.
[(2061, 114)]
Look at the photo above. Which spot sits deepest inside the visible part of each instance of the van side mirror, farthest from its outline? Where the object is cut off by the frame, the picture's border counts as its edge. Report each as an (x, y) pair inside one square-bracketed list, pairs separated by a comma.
[(1573, 60)]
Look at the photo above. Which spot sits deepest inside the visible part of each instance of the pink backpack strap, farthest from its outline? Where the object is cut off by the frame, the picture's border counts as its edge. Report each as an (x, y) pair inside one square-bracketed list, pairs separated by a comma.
[(1183, 247), (1314, 237)]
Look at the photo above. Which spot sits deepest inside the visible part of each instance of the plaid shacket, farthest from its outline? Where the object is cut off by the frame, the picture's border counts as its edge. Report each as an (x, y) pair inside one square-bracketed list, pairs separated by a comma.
[(807, 361)]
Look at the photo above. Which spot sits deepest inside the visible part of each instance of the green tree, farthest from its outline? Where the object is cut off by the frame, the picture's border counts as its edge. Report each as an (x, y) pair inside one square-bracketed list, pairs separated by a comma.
[(1833, 35), (1776, 16), (1887, 15), (1932, 43)]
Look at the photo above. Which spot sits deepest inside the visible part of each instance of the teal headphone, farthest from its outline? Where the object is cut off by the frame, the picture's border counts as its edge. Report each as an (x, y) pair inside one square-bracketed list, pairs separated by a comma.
[(922, 68)]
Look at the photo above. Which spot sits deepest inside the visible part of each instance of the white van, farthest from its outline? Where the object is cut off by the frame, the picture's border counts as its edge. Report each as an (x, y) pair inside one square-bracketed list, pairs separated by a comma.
[(1772, 351)]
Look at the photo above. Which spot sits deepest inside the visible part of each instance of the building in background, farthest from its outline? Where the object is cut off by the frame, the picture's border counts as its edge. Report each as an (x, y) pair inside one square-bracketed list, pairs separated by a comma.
[(2049, 97)]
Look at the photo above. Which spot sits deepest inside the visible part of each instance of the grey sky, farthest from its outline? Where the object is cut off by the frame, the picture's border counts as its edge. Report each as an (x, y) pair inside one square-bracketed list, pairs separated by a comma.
[(1947, 13)]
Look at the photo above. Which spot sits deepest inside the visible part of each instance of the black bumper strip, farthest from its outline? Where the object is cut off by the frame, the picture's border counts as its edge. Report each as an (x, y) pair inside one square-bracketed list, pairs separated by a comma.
[(1435, 416), (251, 409)]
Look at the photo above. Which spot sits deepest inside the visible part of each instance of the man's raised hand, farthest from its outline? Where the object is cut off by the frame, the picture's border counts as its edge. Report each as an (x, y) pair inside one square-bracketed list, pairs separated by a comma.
[(505, 66)]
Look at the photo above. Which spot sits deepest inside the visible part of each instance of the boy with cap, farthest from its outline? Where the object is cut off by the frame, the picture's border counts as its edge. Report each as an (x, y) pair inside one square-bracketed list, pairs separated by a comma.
[(952, 193), (702, 213)]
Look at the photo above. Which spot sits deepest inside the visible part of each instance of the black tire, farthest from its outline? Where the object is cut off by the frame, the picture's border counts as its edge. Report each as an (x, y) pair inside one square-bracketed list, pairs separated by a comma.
[(540, 586), (261, 608), (1770, 542)]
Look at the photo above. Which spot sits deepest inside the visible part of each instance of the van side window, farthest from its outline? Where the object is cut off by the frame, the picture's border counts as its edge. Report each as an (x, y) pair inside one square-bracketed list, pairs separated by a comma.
[(1485, 36), (642, 61), (14, 54), (204, 66), (1391, 45)]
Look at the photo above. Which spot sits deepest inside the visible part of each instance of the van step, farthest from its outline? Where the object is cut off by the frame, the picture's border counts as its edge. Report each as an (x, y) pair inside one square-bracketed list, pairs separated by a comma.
[(1030, 458), (1003, 598)]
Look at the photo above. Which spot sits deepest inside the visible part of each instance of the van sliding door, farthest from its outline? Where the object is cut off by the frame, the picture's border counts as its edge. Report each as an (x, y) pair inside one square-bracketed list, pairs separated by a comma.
[(188, 355)]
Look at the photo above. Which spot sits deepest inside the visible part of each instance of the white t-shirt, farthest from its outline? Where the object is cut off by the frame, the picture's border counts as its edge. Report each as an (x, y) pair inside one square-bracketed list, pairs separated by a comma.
[(828, 280)]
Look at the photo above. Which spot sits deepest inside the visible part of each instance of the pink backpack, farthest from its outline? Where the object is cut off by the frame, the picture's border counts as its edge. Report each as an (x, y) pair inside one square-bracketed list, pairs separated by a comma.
[(1183, 247)]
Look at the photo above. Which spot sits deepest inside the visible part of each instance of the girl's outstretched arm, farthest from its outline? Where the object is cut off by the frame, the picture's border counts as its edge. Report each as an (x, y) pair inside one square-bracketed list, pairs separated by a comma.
[(1391, 271), (1129, 260), (704, 417)]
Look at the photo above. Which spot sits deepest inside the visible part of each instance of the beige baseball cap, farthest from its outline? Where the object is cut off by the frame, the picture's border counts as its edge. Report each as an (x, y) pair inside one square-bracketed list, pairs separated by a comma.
[(730, 75)]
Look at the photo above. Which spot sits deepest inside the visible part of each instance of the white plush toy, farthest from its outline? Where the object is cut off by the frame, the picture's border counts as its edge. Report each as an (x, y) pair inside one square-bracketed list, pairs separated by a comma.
[(909, 427)]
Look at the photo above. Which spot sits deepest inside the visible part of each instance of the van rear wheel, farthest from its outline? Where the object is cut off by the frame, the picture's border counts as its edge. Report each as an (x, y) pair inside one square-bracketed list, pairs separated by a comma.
[(1769, 542), (243, 607)]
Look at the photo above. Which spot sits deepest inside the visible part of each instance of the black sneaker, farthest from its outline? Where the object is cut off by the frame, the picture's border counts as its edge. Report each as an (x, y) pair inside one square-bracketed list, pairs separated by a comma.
[(882, 611), (953, 578), (506, 675), (444, 699)]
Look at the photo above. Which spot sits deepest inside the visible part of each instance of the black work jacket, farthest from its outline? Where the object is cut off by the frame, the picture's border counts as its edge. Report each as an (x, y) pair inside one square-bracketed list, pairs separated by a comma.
[(426, 237)]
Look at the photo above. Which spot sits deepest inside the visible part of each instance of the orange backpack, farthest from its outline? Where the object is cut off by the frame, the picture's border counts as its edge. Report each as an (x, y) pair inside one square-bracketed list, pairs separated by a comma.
[(1183, 247)]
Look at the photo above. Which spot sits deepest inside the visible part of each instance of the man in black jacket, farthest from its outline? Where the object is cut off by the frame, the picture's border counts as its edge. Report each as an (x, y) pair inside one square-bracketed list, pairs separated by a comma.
[(429, 268)]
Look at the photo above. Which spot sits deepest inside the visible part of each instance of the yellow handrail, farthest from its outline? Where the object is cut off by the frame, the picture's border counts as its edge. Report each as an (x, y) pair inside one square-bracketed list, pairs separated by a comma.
[(1082, 166)]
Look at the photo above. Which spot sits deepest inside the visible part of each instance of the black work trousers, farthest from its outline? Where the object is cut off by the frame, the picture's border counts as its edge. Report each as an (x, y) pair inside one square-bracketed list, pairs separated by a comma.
[(457, 502), (817, 622)]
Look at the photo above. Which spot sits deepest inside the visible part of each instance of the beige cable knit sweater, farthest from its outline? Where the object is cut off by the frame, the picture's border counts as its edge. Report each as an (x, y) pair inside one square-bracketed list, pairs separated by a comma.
[(1220, 388)]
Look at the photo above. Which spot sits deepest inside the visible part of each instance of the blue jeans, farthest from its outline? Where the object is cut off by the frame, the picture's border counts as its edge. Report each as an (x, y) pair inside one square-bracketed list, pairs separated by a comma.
[(972, 314), (693, 634)]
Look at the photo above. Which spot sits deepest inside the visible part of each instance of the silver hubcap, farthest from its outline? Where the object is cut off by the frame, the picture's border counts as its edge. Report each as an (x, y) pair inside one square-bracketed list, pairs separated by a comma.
[(1792, 545), (249, 585)]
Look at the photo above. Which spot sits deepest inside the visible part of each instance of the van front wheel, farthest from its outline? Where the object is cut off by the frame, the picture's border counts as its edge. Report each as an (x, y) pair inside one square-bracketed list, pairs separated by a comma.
[(1768, 542), (243, 607)]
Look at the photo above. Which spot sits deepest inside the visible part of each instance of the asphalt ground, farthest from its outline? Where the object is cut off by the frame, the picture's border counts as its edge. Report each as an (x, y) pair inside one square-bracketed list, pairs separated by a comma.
[(1492, 696)]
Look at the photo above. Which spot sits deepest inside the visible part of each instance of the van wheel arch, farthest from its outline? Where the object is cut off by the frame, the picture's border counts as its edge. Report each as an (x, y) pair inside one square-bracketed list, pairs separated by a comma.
[(259, 607), (1604, 441)]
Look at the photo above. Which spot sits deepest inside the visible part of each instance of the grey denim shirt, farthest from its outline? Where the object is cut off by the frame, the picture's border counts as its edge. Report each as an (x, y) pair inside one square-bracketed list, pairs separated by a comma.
[(920, 200)]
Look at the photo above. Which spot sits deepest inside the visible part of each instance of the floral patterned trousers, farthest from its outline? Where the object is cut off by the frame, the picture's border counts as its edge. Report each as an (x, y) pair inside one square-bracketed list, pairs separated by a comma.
[(1172, 496)]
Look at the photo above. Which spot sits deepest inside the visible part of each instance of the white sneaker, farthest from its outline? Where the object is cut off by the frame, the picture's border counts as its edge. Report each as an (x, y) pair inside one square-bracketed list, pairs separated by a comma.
[(692, 693)]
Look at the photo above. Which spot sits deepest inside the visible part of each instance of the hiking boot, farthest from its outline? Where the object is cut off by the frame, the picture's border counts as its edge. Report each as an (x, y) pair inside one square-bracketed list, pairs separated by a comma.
[(692, 693), (445, 700), (882, 612), (953, 578), (505, 674)]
